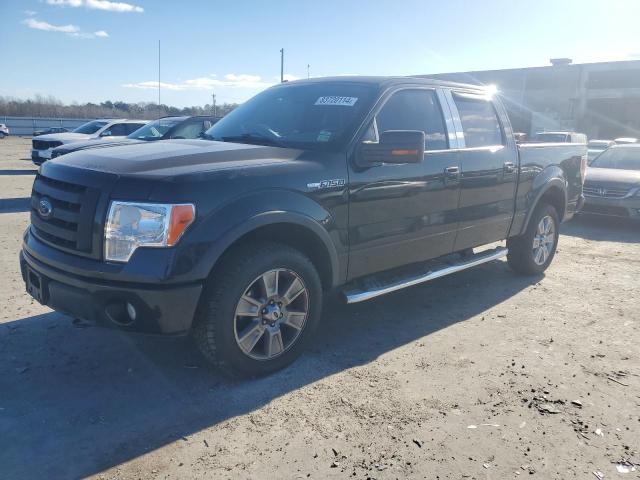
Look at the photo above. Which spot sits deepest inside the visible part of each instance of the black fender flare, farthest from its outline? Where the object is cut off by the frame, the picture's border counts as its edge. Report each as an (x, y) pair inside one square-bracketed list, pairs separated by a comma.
[(544, 184)]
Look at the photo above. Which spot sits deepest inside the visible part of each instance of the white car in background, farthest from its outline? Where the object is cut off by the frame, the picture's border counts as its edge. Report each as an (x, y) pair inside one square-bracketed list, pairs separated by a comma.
[(4, 131), (103, 128)]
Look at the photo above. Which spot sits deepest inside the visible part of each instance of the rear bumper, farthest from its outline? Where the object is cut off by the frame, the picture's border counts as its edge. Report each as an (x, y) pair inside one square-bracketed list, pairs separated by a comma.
[(159, 309), (628, 207)]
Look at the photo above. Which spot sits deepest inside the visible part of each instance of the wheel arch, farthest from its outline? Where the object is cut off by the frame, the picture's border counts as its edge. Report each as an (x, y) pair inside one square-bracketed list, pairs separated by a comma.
[(294, 230), (553, 192)]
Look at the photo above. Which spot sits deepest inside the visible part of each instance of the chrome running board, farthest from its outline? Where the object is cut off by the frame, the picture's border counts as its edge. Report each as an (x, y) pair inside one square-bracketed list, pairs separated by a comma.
[(357, 295)]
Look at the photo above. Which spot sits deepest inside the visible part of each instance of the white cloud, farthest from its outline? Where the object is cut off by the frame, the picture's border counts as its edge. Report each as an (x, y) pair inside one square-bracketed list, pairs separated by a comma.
[(98, 5), (29, 13), (47, 27), (71, 30), (290, 78), (232, 77), (231, 80)]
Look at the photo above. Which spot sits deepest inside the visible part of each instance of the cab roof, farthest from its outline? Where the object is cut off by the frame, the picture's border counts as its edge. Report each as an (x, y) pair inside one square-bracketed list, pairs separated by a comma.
[(385, 82)]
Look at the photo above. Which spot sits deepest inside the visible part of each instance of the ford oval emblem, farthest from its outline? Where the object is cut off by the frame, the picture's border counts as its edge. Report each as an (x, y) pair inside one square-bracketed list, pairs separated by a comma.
[(45, 208)]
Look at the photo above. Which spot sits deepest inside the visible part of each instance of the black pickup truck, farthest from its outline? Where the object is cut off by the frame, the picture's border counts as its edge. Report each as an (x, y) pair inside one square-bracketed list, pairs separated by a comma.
[(359, 185)]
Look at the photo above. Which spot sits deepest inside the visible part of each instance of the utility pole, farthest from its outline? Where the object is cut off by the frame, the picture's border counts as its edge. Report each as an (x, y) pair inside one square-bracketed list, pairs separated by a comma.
[(213, 103), (159, 111), (281, 65), (308, 67)]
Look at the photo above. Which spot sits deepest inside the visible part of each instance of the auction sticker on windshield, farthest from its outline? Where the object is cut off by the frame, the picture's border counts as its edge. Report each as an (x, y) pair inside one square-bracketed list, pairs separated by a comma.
[(337, 101)]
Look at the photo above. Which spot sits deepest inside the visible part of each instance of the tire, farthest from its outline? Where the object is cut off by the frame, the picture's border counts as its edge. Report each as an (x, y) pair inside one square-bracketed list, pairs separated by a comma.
[(239, 285), (2, 135), (532, 252)]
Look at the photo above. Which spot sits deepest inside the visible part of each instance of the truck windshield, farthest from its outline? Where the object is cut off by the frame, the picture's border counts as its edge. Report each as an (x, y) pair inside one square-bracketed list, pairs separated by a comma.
[(154, 130), (90, 127), (314, 116), (623, 158)]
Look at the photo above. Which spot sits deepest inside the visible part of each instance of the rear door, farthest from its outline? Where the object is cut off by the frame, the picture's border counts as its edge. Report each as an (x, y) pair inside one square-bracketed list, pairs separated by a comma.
[(401, 214), (488, 170)]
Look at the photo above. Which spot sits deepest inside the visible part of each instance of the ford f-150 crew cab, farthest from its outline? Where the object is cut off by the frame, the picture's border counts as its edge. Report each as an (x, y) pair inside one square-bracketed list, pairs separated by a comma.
[(363, 185)]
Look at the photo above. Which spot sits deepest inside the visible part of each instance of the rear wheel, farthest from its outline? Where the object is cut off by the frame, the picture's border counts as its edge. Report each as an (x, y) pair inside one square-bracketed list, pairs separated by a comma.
[(259, 311), (532, 252)]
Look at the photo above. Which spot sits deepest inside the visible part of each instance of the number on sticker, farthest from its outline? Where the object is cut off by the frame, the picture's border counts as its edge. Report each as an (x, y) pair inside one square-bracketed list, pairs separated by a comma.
[(337, 101)]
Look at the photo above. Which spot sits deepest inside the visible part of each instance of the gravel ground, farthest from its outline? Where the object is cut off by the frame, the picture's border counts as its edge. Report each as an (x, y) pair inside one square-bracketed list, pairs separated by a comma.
[(479, 375)]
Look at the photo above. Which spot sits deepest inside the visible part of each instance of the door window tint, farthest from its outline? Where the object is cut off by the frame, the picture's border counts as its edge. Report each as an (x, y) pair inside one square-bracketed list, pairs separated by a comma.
[(479, 122), (415, 110), (132, 127), (119, 130), (188, 130)]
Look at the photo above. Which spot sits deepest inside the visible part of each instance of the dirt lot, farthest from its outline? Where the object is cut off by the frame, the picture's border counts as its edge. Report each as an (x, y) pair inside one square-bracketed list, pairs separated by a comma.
[(481, 375)]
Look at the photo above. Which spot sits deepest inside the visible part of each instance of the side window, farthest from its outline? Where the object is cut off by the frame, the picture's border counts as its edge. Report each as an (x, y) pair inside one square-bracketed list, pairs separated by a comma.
[(119, 130), (132, 127), (480, 123), (414, 110), (188, 130)]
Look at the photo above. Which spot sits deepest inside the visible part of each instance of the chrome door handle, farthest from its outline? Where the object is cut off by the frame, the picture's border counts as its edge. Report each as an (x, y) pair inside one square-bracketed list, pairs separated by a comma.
[(509, 167), (452, 172)]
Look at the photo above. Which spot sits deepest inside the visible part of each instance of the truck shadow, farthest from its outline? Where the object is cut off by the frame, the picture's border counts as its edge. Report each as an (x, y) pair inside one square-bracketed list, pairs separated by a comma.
[(603, 229), (15, 205), (76, 401)]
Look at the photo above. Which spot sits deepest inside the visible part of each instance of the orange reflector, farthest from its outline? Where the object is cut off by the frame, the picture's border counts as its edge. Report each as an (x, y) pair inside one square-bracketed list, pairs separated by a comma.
[(403, 152), (181, 217)]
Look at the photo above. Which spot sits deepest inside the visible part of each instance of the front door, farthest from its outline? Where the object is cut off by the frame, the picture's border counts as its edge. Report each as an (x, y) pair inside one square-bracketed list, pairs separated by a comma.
[(401, 214)]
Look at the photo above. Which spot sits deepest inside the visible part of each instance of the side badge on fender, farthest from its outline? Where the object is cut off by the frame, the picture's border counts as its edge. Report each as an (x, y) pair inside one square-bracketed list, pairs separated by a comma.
[(337, 182)]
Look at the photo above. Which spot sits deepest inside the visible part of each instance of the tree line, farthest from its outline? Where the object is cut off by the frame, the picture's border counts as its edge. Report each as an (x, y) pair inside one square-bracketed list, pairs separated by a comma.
[(49, 106)]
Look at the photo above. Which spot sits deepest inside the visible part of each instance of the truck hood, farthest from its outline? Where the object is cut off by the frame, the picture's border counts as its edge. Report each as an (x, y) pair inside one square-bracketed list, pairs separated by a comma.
[(612, 176), (168, 158), (66, 137)]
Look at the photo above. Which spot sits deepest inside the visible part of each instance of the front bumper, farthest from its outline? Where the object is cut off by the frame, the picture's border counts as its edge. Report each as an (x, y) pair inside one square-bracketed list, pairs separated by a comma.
[(39, 156), (627, 207), (159, 308)]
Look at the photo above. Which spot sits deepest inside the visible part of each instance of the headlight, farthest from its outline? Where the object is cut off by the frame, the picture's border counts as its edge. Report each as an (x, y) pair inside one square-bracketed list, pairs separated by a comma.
[(131, 225)]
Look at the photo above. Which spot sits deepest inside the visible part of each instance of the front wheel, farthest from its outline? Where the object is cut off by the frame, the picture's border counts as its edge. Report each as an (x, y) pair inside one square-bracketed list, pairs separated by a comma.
[(259, 310), (532, 252)]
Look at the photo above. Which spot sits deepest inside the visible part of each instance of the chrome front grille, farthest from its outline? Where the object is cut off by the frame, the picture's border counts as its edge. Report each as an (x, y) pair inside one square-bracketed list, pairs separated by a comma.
[(605, 192), (62, 214)]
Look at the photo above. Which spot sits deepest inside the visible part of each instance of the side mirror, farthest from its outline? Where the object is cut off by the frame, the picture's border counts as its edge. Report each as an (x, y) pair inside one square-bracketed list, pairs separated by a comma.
[(395, 146)]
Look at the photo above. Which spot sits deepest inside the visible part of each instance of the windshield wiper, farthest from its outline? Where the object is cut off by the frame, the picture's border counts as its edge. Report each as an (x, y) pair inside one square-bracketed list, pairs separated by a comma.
[(252, 139)]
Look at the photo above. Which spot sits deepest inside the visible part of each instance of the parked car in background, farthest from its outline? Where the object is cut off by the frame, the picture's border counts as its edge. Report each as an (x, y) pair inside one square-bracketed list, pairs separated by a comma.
[(596, 147), (162, 129), (612, 184), (4, 130), (46, 131), (562, 137), (625, 140), (104, 128), (520, 137), (310, 186)]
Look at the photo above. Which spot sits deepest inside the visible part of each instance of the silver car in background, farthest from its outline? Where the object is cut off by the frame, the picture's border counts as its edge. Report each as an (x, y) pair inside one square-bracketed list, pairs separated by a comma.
[(612, 183), (42, 145)]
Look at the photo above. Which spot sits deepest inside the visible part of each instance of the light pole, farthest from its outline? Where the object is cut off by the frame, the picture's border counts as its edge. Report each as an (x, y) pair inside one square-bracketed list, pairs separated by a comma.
[(308, 67), (159, 111), (281, 65), (213, 102)]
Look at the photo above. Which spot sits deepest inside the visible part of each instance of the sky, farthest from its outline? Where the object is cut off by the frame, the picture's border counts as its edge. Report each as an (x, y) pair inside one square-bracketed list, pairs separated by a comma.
[(97, 50)]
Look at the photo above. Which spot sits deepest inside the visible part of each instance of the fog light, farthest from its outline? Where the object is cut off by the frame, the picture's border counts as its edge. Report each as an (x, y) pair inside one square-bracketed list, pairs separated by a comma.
[(131, 310)]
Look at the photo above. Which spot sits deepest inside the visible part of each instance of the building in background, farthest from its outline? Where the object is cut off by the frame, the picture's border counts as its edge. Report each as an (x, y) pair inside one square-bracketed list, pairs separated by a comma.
[(599, 99)]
